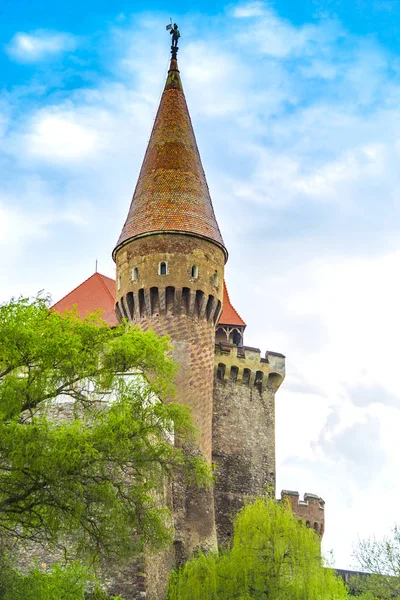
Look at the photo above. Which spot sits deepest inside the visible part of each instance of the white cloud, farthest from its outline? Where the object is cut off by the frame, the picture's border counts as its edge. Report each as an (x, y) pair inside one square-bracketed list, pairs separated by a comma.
[(58, 136), (273, 36), (252, 9), (36, 46)]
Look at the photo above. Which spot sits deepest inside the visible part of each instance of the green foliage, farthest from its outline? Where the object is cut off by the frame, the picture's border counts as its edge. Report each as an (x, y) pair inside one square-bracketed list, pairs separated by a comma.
[(95, 477), (380, 558), (58, 584), (273, 556)]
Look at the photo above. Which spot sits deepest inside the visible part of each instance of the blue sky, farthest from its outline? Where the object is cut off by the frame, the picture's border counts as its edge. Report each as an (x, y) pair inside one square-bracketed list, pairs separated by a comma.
[(296, 112)]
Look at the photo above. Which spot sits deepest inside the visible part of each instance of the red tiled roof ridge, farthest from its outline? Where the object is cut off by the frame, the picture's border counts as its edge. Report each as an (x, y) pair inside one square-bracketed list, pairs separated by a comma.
[(230, 306), (102, 277), (171, 194), (85, 281)]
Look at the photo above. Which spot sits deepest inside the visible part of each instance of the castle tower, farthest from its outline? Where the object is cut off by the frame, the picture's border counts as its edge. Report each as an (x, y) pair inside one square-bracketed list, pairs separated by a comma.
[(243, 421), (170, 261)]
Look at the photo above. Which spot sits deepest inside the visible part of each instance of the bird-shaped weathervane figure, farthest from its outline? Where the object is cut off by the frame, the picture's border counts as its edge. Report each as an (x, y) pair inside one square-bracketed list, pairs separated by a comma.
[(174, 31)]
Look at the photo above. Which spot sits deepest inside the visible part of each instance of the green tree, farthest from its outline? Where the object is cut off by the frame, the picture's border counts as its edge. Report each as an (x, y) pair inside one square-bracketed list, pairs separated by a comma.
[(273, 556), (381, 559), (94, 477), (60, 583)]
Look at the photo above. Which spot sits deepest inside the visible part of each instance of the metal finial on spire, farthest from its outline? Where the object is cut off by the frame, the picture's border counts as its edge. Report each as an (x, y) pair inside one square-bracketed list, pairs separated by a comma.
[(174, 31)]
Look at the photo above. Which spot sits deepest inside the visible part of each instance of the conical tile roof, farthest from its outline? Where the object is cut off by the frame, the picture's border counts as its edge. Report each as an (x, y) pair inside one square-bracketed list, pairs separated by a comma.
[(171, 194), (229, 315)]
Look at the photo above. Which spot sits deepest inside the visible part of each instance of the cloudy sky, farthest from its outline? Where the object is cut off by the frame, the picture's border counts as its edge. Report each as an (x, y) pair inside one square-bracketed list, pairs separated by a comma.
[(296, 112)]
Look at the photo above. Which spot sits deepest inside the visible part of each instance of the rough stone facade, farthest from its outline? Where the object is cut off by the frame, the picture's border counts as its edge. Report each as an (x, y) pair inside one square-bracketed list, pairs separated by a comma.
[(243, 428)]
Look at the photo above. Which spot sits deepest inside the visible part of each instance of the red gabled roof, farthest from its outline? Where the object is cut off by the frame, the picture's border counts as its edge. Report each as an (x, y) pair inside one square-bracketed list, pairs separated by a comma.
[(229, 315), (171, 194), (97, 292)]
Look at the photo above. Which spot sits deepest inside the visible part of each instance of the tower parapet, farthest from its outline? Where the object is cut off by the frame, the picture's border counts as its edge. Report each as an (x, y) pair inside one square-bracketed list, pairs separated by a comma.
[(311, 509), (245, 365)]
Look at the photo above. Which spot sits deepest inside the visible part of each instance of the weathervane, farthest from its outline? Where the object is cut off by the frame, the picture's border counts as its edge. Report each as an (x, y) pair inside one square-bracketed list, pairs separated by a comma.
[(174, 31)]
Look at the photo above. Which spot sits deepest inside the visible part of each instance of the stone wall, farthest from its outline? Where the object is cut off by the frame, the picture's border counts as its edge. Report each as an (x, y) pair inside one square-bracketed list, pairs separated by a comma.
[(243, 428)]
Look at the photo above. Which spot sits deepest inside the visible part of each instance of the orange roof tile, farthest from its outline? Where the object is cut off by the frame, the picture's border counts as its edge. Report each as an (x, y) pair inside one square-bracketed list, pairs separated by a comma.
[(171, 194), (97, 292), (229, 315)]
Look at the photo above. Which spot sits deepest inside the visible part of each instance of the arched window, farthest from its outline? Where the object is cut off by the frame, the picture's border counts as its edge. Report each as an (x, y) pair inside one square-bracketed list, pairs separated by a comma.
[(135, 274), (316, 527), (215, 278), (195, 272), (162, 268)]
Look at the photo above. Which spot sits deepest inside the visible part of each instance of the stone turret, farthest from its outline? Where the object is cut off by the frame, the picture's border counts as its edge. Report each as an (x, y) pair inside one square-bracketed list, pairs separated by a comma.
[(243, 426), (311, 509), (170, 261)]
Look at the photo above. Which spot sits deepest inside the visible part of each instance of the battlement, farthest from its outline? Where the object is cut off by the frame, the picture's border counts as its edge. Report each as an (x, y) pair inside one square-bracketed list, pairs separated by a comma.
[(311, 509), (244, 365)]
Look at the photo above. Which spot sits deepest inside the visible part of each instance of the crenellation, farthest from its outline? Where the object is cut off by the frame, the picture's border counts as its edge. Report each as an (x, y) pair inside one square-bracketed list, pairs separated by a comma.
[(311, 509), (265, 373)]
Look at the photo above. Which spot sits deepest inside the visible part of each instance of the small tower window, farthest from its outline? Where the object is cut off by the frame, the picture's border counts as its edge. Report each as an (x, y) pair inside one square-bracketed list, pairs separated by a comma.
[(195, 272), (119, 282), (162, 268), (135, 274), (215, 278)]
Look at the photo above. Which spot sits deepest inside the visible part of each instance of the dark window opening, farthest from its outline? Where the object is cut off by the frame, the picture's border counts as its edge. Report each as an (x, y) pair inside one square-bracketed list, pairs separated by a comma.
[(163, 268), (217, 313), (236, 337), (210, 304), (154, 301), (246, 376), (123, 308), (221, 371), (170, 298), (141, 303), (259, 379), (118, 311), (199, 301), (233, 375), (131, 304), (185, 299)]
